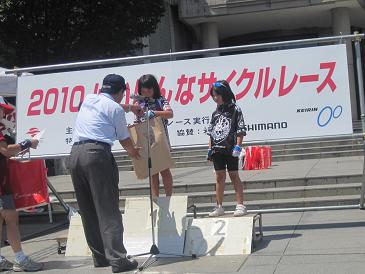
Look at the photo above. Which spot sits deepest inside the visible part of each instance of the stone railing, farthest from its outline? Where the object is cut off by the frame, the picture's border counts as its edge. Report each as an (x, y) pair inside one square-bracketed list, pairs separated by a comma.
[(205, 8)]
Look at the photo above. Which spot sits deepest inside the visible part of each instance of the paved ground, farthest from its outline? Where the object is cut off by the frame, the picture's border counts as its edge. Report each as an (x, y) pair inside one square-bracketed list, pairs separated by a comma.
[(312, 242), (304, 242)]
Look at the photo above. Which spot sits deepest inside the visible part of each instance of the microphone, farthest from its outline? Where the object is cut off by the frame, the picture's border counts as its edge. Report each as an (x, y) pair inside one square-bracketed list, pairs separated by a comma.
[(142, 98)]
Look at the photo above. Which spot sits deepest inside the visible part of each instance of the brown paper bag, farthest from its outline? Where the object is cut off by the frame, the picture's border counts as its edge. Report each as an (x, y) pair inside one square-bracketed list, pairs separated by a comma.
[(159, 149)]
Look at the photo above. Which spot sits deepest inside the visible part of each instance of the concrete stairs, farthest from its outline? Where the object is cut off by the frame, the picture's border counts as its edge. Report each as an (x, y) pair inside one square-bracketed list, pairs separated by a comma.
[(322, 189), (192, 157), (284, 193)]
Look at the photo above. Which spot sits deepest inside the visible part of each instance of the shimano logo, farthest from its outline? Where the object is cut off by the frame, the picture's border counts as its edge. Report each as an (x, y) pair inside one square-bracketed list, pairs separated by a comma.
[(266, 126)]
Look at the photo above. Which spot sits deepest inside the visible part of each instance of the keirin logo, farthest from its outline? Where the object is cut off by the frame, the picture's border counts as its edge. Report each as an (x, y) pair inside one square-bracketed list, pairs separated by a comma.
[(327, 114)]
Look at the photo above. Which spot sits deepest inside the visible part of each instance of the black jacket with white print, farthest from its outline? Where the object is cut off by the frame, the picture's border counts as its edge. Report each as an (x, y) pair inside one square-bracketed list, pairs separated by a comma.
[(226, 124)]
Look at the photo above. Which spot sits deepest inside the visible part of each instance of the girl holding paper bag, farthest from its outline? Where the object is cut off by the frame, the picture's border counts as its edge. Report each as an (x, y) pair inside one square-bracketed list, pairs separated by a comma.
[(226, 131), (158, 107)]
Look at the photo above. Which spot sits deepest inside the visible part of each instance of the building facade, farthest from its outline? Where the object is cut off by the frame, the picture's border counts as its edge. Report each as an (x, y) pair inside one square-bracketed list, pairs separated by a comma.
[(203, 24)]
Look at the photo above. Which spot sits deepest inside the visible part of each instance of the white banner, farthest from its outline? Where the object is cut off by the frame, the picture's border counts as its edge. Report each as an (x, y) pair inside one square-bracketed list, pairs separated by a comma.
[(283, 94)]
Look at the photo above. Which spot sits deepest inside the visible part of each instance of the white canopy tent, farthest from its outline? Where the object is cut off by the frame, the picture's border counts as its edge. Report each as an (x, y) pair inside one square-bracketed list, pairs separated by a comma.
[(7, 83)]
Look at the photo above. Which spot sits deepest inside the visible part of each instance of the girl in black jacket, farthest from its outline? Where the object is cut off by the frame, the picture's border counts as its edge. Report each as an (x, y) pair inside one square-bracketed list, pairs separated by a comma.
[(226, 131)]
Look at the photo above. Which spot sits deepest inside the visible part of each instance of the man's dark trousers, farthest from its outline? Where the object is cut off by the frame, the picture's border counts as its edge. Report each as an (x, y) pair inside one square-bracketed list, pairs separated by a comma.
[(95, 177)]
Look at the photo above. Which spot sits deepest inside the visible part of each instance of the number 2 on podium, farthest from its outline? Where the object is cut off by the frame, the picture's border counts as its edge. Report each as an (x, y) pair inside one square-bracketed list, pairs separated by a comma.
[(219, 231)]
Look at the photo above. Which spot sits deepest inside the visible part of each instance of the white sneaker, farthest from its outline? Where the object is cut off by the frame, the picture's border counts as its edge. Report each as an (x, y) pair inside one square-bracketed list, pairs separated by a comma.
[(218, 211), (27, 265), (240, 210), (5, 265)]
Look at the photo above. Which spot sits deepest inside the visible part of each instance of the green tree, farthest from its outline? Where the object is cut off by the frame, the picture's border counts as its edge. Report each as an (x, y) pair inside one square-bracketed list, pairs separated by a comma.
[(39, 32)]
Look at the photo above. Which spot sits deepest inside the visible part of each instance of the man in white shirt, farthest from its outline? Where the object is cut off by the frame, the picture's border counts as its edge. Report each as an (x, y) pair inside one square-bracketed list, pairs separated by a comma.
[(100, 122)]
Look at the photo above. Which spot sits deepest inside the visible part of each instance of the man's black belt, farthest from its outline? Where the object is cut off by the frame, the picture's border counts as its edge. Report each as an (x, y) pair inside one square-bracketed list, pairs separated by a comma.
[(92, 142)]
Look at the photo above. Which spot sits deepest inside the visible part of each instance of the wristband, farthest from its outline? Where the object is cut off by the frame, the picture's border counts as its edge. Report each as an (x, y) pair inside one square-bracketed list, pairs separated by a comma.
[(237, 148), (27, 143)]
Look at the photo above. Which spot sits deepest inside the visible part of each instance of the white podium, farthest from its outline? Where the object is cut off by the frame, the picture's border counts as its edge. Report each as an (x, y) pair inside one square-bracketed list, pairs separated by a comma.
[(170, 219), (222, 236), (175, 233), (76, 241)]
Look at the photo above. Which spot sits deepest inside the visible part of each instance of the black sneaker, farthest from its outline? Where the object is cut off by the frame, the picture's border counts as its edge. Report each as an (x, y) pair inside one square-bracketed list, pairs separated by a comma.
[(100, 262), (125, 265)]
